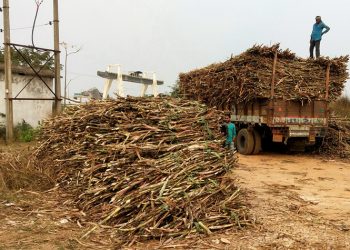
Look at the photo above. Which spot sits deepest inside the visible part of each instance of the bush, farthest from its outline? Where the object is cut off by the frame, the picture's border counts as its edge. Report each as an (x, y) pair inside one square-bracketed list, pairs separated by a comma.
[(175, 90), (341, 107), (24, 132)]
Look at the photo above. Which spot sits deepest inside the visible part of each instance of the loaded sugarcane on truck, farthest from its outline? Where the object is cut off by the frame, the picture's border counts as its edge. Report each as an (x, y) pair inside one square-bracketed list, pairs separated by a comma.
[(274, 97), (295, 123)]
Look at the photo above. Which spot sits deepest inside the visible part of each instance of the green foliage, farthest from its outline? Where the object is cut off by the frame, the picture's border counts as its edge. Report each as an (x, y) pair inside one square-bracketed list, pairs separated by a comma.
[(24, 132), (175, 90), (36, 58)]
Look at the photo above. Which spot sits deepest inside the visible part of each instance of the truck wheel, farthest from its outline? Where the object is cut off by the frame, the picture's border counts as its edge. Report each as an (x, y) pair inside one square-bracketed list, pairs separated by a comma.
[(245, 142), (257, 142)]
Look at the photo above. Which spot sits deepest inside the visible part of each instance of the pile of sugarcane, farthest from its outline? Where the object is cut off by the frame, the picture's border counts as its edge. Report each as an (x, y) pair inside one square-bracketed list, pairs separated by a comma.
[(337, 140), (248, 76), (146, 167)]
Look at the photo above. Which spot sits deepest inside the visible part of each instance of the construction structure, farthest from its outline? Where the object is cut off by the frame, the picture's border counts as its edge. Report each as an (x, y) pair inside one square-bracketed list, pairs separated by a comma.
[(134, 76)]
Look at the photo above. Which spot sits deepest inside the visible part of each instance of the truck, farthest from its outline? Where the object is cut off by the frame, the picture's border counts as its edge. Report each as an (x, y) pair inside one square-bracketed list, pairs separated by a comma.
[(298, 124), (293, 123)]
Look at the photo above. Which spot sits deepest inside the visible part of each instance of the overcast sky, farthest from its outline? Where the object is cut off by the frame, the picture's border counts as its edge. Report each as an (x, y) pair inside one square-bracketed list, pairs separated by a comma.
[(173, 36)]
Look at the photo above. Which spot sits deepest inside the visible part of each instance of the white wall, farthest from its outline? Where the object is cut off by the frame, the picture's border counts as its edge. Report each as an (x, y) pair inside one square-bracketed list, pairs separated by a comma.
[(33, 112)]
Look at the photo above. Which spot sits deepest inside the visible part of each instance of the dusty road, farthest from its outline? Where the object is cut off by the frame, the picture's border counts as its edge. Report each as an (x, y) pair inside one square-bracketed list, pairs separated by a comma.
[(297, 201), (324, 184)]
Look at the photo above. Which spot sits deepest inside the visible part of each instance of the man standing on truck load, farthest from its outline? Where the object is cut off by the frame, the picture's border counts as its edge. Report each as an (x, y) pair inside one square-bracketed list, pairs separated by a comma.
[(316, 36), (229, 130)]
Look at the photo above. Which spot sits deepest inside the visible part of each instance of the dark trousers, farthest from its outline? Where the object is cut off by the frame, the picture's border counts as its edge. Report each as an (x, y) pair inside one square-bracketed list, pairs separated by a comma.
[(314, 44)]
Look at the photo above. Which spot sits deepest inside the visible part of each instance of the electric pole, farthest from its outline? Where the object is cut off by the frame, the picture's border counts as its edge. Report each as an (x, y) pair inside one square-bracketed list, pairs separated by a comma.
[(8, 72), (57, 105), (65, 75), (66, 47)]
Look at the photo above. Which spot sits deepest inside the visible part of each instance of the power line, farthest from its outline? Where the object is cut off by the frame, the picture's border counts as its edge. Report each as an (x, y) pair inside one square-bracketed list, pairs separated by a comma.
[(40, 25), (29, 27), (81, 74)]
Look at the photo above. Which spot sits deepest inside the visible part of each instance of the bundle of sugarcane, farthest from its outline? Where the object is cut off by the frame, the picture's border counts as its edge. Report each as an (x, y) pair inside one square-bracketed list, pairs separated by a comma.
[(337, 140), (249, 76), (146, 167)]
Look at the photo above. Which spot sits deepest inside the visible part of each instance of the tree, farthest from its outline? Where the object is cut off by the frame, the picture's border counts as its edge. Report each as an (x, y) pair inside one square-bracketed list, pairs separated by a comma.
[(36, 58)]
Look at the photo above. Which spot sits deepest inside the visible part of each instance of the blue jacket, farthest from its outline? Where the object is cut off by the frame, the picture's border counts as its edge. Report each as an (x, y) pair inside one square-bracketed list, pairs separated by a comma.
[(317, 29)]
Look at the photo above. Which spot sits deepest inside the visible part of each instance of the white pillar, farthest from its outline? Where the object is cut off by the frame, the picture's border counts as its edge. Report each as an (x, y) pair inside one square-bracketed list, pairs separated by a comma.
[(120, 85), (154, 85), (107, 87), (144, 86), (144, 89)]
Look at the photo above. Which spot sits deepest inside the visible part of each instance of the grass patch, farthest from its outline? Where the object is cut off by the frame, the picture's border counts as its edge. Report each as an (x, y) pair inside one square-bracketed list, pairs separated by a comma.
[(24, 132)]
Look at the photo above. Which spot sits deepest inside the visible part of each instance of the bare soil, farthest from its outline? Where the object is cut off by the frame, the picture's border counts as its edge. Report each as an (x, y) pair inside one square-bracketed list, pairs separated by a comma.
[(296, 201), (299, 201)]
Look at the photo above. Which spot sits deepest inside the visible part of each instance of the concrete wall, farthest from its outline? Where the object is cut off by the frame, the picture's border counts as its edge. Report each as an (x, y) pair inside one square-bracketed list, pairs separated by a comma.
[(33, 112)]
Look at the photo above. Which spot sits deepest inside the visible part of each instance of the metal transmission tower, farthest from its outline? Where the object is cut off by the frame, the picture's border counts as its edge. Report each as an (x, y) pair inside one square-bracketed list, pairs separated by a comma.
[(8, 67)]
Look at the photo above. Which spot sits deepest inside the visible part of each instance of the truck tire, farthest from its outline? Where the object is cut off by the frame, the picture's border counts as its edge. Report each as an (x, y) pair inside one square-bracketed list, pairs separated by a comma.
[(245, 142), (257, 142)]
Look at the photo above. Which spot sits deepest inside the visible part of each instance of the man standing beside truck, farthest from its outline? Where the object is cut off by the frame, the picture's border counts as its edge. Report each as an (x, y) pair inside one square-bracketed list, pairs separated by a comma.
[(316, 36), (229, 130)]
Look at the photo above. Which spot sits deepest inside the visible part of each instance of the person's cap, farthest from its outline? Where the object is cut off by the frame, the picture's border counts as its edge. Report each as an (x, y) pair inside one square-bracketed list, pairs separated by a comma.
[(318, 17)]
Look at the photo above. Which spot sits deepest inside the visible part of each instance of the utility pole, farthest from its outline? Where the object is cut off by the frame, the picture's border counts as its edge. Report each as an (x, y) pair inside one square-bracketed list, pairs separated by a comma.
[(66, 46), (65, 76), (57, 105), (8, 72)]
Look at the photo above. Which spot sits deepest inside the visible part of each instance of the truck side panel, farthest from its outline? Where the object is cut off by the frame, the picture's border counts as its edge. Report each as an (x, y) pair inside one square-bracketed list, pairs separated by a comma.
[(296, 113), (253, 112), (282, 113)]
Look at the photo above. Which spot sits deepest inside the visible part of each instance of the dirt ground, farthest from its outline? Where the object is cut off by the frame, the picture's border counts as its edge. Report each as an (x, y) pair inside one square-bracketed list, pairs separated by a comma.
[(296, 201), (323, 183), (300, 201)]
